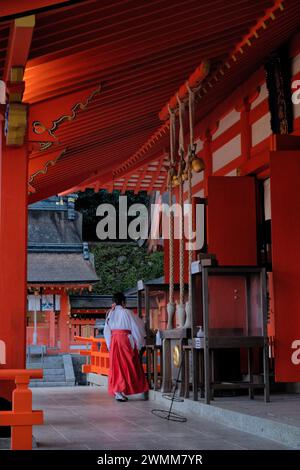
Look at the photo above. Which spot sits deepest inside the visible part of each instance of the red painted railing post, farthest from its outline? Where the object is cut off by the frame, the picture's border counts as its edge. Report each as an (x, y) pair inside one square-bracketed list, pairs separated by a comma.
[(98, 359), (21, 436), (21, 418)]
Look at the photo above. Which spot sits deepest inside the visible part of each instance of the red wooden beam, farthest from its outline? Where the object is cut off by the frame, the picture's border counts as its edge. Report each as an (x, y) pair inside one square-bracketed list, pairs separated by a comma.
[(157, 172), (39, 163), (142, 175), (104, 177), (19, 42), (193, 82), (46, 118), (16, 8)]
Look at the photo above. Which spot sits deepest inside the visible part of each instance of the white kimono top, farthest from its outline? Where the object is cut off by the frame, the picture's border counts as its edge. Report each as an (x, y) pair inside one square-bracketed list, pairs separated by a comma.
[(120, 318)]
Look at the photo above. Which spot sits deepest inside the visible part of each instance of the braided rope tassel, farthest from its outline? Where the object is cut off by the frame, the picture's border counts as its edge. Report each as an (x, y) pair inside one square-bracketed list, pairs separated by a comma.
[(171, 306), (171, 218), (189, 161), (180, 307), (181, 246)]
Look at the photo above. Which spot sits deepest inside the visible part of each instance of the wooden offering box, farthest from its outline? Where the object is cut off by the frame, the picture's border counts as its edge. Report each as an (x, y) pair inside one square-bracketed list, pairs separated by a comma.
[(230, 304)]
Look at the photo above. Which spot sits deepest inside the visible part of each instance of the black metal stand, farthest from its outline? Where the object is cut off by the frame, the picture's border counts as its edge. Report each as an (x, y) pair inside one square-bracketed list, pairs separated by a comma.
[(169, 414)]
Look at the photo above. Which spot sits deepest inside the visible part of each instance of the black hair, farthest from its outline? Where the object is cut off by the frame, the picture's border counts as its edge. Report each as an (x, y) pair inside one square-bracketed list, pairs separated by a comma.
[(119, 298)]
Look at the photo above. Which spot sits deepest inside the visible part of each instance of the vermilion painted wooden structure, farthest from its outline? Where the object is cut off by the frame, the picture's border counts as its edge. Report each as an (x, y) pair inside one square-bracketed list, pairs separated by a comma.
[(97, 356), (22, 417), (285, 201), (232, 226), (86, 82)]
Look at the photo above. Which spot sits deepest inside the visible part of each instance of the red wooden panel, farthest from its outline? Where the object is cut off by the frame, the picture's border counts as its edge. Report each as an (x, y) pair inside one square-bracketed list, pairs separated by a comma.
[(223, 299), (285, 206), (231, 220)]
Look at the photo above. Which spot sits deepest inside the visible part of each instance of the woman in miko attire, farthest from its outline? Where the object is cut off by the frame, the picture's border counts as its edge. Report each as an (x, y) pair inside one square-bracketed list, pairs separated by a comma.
[(124, 336)]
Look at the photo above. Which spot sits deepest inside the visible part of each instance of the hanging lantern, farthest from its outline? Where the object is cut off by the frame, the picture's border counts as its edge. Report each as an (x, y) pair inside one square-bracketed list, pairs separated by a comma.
[(197, 164)]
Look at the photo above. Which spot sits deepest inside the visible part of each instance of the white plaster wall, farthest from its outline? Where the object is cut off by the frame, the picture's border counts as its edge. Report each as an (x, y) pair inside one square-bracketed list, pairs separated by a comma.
[(199, 193), (296, 64), (296, 108), (261, 97), (227, 153), (261, 129), (196, 178), (199, 145), (231, 173), (296, 69), (267, 199), (227, 121)]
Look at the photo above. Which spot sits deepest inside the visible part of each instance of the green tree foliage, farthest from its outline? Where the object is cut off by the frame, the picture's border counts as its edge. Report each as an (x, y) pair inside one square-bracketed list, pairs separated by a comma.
[(119, 266), (88, 201)]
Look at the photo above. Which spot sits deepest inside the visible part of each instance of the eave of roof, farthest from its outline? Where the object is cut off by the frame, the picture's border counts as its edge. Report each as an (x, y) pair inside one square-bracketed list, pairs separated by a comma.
[(140, 53), (59, 268)]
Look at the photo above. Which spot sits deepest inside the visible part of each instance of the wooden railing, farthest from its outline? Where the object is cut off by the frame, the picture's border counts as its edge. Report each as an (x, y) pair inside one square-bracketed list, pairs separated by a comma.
[(97, 357), (153, 366), (21, 418)]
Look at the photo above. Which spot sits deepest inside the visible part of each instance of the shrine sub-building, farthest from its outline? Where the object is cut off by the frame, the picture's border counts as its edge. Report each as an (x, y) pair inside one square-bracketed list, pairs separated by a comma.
[(59, 265)]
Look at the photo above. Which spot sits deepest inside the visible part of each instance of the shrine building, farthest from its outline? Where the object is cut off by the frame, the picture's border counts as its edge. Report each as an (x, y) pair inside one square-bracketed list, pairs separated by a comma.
[(194, 102)]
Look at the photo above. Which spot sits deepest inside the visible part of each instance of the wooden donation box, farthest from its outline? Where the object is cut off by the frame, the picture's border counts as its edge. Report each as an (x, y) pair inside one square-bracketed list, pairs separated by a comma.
[(230, 305)]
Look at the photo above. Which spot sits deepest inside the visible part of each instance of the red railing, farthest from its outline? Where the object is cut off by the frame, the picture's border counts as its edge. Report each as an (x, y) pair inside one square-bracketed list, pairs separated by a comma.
[(97, 357), (21, 418)]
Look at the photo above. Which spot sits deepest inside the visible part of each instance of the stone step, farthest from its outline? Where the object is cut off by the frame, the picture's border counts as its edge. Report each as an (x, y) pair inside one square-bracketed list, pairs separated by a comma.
[(54, 378), (50, 384), (52, 374), (45, 360), (54, 371), (58, 371), (39, 365)]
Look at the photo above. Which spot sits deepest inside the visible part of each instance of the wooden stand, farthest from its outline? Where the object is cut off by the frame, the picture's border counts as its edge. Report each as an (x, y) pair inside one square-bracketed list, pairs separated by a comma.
[(153, 296), (238, 293), (182, 335)]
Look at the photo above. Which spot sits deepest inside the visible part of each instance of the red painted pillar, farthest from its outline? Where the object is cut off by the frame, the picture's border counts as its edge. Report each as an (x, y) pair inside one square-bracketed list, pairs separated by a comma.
[(13, 257), (285, 207), (207, 151), (246, 133), (64, 319), (51, 329)]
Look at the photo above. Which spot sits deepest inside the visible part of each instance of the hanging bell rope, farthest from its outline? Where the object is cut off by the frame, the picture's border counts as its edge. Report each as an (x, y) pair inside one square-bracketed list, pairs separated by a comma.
[(190, 156), (171, 175), (180, 177)]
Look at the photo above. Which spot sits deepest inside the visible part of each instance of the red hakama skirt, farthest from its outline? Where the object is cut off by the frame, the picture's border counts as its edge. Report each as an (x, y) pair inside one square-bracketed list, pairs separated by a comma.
[(126, 373)]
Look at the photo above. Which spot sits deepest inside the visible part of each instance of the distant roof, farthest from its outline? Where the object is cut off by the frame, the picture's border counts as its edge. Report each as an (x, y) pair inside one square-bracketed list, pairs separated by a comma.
[(157, 280), (130, 291), (51, 268), (55, 203), (48, 227), (93, 301)]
